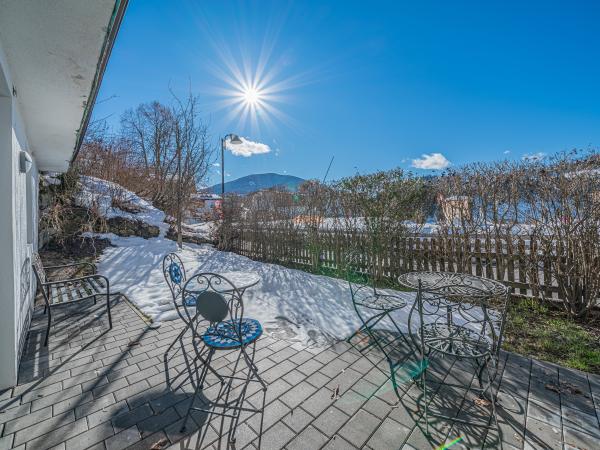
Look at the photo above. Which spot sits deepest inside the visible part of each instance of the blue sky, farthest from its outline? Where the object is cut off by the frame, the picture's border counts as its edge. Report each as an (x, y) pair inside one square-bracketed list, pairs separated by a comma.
[(375, 84)]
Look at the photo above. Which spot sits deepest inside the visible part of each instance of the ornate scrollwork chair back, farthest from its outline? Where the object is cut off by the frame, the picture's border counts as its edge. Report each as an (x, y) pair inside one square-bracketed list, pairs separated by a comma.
[(219, 302), (358, 280), (175, 276)]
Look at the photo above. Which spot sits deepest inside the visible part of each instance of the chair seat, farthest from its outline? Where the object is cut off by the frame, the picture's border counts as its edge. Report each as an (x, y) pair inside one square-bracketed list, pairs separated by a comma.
[(77, 290), (455, 340), (225, 336), (382, 302), (190, 300)]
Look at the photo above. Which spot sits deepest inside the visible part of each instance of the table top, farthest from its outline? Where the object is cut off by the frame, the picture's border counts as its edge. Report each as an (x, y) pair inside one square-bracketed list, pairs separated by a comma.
[(240, 279), (451, 283)]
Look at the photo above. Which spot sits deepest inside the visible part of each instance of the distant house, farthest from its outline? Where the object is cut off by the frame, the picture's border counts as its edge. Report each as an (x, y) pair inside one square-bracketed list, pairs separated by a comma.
[(204, 206), (206, 202), (454, 207), (52, 58)]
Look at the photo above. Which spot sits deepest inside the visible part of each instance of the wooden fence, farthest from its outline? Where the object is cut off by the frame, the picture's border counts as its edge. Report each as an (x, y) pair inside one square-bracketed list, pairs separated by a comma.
[(503, 260)]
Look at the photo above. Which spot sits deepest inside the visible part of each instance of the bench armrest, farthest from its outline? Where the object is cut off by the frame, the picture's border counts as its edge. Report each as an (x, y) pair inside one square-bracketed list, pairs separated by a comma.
[(71, 280)]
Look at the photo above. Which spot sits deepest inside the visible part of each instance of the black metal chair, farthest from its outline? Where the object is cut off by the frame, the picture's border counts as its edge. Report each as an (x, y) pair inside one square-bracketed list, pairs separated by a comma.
[(219, 302), (175, 276), (69, 290), (461, 316), (372, 306)]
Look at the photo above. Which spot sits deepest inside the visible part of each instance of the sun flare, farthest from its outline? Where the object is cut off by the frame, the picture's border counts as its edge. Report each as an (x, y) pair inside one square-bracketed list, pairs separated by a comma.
[(252, 96), (255, 88)]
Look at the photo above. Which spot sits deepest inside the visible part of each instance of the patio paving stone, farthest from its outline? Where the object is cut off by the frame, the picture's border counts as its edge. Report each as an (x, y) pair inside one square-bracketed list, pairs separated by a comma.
[(106, 389)]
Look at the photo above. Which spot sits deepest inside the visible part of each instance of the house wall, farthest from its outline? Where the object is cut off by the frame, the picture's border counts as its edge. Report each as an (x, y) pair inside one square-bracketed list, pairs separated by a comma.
[(18, 231)]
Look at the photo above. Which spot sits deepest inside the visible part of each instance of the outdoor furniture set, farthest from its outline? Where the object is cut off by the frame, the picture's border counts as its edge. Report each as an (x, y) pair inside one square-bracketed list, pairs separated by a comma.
[(453, 315), (211, 306)]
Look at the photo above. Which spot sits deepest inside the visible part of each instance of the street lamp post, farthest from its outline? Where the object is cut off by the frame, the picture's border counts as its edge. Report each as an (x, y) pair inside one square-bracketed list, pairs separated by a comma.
[(234, 139)]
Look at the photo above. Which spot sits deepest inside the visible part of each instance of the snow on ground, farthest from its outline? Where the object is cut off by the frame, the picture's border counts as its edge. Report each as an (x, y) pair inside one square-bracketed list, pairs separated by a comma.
[(204, 230), (305, 307), (292, 304), (100, 193)]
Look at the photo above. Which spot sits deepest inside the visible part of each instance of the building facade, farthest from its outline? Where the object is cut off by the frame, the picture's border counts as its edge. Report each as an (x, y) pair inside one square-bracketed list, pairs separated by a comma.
[(52, 57)]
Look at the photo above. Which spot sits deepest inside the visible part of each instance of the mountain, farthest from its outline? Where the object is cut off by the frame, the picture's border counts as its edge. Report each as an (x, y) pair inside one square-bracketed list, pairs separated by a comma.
[(257, 182)]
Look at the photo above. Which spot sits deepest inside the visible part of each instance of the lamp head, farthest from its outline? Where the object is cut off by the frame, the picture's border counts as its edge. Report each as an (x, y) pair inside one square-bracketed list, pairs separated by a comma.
[(234, 139)]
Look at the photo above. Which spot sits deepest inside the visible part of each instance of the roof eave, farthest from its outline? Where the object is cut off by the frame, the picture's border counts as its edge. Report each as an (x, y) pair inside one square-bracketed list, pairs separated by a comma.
[(107, 46)]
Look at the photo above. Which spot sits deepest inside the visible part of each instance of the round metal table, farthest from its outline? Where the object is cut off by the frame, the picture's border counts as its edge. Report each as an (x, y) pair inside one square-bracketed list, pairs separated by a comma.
[(241, 280), (453, 284)]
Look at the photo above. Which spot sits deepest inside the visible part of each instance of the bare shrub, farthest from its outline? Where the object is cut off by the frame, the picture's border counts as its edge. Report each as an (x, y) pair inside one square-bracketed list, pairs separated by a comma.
[(563, 209), (61, 220), (551, 205), (383, 207)]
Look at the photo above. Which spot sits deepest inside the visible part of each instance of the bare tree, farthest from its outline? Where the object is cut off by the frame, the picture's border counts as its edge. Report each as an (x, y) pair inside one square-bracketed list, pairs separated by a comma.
[(149, 132), (192, 154)]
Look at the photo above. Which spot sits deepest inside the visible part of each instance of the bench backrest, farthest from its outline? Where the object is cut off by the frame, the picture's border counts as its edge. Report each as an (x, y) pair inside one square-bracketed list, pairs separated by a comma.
[(38, 267)]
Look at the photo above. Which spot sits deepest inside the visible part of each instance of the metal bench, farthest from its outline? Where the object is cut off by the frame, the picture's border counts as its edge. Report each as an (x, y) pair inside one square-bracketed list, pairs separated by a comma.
[(69, 290)]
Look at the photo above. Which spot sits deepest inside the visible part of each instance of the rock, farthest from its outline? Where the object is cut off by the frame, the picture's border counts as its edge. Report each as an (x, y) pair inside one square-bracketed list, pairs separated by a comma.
[(124, 227), (187, 237)]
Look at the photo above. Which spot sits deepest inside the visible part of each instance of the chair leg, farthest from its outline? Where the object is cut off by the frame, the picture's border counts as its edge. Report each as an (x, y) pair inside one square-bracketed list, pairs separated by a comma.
[(365, 324), (204, 362), (251, 366), (493, 400), (48, 329), (108, 309), (424, 382), (394, 382), (166, 358), (200, 383)]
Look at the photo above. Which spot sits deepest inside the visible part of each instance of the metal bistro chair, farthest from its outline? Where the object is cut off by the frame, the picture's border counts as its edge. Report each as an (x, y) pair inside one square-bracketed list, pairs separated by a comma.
[(175, 276), (372, 306), (219, 302), (462, 316), (69, 290)]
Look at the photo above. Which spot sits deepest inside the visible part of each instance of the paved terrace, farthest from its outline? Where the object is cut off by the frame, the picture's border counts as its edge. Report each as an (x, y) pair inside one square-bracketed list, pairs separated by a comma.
[(100, 389)]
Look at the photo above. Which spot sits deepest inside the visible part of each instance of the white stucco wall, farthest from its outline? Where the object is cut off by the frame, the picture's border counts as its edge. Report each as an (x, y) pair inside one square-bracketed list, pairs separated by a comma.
[(16, 244)]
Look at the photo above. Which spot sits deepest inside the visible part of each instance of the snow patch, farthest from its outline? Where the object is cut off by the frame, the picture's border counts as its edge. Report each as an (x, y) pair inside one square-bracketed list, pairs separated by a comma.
[(95, 192)]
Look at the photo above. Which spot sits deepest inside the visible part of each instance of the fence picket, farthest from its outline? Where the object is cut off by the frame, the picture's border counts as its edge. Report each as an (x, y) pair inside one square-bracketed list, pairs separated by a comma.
[(498, 259)]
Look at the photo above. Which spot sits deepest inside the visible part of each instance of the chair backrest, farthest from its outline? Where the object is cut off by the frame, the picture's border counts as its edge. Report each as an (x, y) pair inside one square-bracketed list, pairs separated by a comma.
[(175, 276), (174, 273), (38, 267), (217, 299), (476, 305), (358, 278)]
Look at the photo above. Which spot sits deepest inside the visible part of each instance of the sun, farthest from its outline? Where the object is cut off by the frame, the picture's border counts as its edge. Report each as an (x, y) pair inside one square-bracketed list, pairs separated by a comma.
[(252, 96), (255, 88)]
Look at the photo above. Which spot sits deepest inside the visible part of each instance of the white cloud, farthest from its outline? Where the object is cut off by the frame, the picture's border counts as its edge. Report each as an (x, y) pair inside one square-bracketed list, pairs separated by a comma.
[(506, 152), (216, 165), (534, 156), (247, 148), (433, 161)]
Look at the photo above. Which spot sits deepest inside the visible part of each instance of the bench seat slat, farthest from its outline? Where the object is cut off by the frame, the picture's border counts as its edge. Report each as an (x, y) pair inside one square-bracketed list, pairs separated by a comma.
[(95, 285)]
